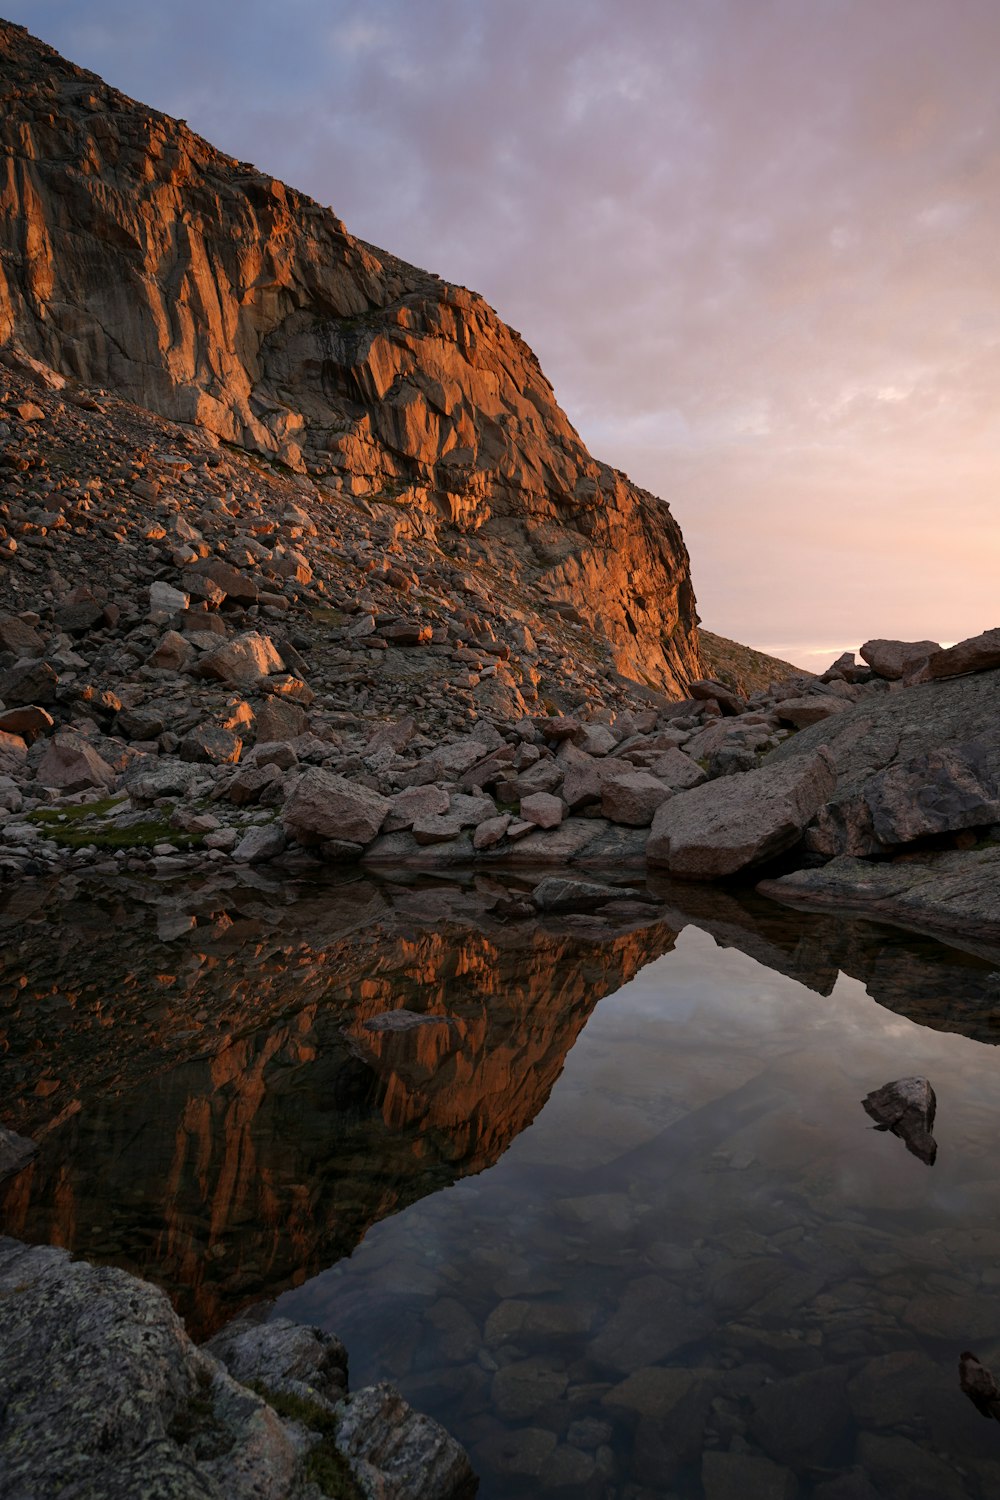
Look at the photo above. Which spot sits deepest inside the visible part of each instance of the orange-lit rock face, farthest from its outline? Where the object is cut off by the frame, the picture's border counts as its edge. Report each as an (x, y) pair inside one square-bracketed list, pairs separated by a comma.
[(222, 1119), (135, 257)]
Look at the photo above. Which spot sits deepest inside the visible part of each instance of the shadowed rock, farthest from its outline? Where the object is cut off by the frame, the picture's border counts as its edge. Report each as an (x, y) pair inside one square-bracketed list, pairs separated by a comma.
[(907, 1108), (980, 1385)]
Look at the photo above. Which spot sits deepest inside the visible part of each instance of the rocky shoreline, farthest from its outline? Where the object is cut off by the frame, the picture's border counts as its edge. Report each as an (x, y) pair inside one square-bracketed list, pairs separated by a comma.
[(876, 785), (105, 1395)]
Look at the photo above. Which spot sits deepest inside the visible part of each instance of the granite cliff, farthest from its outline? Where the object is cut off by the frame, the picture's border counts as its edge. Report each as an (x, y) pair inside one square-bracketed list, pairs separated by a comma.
[(135, 257)]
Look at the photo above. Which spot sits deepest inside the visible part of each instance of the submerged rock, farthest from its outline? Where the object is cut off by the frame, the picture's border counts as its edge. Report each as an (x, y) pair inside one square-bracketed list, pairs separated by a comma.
[(907, 1108)]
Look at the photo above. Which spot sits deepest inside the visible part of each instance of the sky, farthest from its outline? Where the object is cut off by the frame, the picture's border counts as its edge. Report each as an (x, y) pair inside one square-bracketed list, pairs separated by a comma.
[(754, 243)]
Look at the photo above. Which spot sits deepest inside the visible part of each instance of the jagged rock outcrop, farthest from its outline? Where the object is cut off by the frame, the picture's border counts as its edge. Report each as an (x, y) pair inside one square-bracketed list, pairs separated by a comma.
[(103, 1393), (136, 257)]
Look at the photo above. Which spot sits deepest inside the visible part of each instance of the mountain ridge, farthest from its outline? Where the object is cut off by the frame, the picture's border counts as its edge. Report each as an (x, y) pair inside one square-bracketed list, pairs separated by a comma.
[(134, 256)]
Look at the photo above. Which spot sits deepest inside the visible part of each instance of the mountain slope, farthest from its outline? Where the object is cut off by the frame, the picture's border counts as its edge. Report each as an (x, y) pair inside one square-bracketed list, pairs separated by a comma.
[(134, 256)]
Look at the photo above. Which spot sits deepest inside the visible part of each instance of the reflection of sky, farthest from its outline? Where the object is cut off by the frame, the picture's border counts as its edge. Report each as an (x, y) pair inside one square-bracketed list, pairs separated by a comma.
[(753, 245), (706, 1052)]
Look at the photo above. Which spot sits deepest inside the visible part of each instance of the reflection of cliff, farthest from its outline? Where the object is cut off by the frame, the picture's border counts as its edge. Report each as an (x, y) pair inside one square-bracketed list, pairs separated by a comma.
[(220, 1118), (946, 988)]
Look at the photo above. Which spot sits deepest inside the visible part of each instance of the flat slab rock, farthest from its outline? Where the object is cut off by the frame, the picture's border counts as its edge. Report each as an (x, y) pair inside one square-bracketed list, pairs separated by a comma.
[(955, 891), (104, 1395)]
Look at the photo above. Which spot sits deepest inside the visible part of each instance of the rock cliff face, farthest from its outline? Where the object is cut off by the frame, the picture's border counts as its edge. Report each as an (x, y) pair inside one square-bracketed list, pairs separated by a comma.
[(134, 256)]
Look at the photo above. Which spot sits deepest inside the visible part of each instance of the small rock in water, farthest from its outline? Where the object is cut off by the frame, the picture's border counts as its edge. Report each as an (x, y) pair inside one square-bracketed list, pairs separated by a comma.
[(980, 1385), (907, 1108)]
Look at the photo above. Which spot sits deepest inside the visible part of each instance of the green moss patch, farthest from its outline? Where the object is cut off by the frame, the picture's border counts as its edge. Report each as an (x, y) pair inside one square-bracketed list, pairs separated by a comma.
[(71, 828), (324, 1464)]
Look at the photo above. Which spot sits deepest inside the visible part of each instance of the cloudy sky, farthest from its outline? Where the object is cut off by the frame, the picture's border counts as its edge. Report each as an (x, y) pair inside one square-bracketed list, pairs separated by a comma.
[(755, 244)]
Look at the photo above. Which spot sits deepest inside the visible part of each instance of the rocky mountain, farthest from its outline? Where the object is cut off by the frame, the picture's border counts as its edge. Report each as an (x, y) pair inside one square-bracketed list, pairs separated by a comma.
[(136, 258)]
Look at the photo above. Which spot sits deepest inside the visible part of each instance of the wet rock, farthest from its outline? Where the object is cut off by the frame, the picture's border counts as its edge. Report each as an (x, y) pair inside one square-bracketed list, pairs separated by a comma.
[(456, 1334), (897, 1466), (556, 893), (413, 1457), (525, 1387), (979, 653), (896, 659), (895, 1388), (260, 844), (651, 1321), (949, 892), (907, 1108), (523, 1451), (323, 805), (980, 1385), (745, 1476), (723, 826), (15, 1152), (799, 1421)]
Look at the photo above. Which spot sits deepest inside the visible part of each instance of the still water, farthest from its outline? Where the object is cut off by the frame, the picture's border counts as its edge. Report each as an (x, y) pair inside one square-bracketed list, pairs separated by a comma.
[(612, 1212)]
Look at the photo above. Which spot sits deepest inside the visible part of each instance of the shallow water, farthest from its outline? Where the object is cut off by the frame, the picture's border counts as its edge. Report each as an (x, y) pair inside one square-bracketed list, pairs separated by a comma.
[(615, 1215), (701, 1246)]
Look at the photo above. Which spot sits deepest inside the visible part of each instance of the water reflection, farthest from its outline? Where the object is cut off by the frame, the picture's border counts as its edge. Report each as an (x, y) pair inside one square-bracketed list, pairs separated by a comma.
[(691, 1268)]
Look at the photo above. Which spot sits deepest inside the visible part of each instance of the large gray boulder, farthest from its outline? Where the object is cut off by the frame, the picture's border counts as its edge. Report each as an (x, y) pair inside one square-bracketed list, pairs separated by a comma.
[(104, 1397), (323, 805), (726, 825), (918, 761)]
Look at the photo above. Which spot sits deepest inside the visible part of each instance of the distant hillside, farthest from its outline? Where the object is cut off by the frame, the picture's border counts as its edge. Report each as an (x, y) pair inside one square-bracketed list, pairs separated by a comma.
[(742, 668)]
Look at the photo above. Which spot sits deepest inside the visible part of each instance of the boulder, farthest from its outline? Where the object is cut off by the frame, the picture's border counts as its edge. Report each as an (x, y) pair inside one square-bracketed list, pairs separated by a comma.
[(280, 719), (173, 653), (235, 585), (259, 844), (812, 709), (490, 833), (595, 739), (907, 1108), (724, 826), (436, 828), (165, 601), (542, 809), (70, 764), (706, 689), (323, 805), (13, 753), (896, 659), (980, 653), (413, 803), (147, 780), (677, 770), (212, 744), (114, 1400), (19, 638), (243, 661), (30, 721), (27, 683), (632, 797)]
